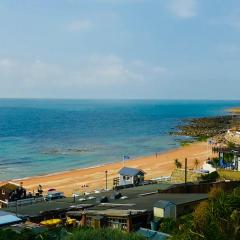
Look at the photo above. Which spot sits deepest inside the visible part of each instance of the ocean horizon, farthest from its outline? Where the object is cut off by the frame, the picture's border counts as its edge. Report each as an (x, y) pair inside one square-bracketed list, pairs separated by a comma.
[(44, 136)]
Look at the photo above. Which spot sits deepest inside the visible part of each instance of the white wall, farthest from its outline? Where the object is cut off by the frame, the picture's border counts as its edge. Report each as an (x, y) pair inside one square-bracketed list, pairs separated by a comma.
[(125, 181)]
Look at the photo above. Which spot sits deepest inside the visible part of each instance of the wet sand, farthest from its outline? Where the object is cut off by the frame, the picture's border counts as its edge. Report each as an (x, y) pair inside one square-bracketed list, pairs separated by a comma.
[(73, 181)]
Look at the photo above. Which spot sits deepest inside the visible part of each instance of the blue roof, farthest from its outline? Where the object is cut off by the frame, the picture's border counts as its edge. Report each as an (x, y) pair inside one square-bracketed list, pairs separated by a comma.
[(126, 171), (162, 204), (8, 218)]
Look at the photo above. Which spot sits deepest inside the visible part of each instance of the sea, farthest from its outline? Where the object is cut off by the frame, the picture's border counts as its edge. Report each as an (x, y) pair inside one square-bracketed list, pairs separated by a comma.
[(42, 136)]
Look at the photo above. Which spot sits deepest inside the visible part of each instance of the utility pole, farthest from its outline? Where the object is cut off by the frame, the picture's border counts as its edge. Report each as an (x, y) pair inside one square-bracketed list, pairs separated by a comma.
[(16, 208), (106, 172), (185, 170)]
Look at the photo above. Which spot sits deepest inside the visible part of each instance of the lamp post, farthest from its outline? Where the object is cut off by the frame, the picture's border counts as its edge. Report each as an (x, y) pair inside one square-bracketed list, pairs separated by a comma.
[(106, 172), (185, 170)]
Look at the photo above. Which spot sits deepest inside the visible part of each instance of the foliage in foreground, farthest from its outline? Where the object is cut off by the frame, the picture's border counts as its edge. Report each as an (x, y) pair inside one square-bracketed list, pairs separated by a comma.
[(63, 234), (217, 218)]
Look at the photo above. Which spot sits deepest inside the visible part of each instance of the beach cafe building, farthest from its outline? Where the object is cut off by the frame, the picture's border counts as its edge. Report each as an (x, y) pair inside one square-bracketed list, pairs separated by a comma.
[(131, 176), (225, 154), (11, 192)]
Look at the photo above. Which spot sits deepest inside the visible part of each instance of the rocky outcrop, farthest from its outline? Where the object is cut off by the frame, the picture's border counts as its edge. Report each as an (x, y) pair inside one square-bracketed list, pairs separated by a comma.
[(232, 137)]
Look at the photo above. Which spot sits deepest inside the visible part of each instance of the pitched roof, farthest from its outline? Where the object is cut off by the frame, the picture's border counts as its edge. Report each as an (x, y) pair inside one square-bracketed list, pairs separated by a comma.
[(9, 186), (126, 171)]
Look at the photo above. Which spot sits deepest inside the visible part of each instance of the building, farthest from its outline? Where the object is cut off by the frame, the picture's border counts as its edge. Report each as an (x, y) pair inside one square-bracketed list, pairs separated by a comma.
[(11, 192), (164, 209), (176, 205), (131, 176), (127, 209), (7, 219), (229, 157), (125, 220)]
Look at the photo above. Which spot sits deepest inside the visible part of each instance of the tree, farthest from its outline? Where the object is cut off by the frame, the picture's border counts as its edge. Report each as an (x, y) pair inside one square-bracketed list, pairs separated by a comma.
[(177, 163), (228, 157), (216, 218), (196, 163)]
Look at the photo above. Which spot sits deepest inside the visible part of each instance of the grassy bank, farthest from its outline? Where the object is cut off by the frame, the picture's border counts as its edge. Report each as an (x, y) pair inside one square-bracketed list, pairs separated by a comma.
[(229, 174)]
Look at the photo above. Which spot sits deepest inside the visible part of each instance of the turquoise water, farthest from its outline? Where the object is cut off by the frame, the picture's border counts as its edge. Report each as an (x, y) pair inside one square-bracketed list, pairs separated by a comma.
[(45, 136)]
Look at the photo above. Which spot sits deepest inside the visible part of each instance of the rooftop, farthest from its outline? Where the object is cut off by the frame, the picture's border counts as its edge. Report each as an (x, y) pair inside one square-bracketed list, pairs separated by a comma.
[(137, 198), (8, 218), (9, 186), (126, 171)]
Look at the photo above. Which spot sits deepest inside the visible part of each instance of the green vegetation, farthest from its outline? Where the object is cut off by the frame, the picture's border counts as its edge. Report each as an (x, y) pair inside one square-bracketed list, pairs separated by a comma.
[(63, 234), (231, 145), (202, 138), (228, 157), (211, 177), (229, 174), (217, 218), (184, 143), (215, 162)]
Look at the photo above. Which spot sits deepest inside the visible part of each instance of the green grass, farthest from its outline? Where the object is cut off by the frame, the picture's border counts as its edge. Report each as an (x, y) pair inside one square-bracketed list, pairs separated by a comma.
[(184, 143), (229, 174), (202, 138), (63, 234)]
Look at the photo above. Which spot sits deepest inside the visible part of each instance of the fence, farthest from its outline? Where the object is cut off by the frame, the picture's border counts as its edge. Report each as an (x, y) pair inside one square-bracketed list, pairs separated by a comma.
[(27, 201)]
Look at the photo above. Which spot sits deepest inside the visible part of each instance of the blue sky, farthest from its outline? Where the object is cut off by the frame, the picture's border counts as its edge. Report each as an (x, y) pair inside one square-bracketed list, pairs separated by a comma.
[(164, 49)]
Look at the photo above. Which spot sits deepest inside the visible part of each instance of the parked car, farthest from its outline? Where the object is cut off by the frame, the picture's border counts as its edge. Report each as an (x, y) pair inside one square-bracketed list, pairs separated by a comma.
[(52, 195)]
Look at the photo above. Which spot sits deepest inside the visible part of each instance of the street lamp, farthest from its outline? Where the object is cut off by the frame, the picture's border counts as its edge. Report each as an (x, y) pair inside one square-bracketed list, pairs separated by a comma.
[(106, 172)]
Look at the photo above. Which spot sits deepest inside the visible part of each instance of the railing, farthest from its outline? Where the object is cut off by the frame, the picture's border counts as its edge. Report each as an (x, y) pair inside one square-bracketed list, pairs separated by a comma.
[(27, 201)]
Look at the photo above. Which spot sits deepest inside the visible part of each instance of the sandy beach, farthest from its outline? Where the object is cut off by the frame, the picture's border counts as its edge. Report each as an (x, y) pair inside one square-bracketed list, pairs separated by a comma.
[(94, 177)]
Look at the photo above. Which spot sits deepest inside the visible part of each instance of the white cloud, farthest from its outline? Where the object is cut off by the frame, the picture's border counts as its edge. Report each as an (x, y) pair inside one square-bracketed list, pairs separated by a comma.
[(183, 8), (96, 72), (79, 25)]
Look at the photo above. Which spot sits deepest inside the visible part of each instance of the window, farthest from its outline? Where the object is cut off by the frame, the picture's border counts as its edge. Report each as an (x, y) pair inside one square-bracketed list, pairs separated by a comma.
[(3, 192), (119, 223)]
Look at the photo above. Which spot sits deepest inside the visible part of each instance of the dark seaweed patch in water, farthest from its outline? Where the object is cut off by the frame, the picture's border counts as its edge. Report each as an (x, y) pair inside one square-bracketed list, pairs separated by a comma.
[(67, 151), (14, 163)]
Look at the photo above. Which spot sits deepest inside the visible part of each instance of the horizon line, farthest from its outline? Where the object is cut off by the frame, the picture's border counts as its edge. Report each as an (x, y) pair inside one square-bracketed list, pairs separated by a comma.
[(118, 99)]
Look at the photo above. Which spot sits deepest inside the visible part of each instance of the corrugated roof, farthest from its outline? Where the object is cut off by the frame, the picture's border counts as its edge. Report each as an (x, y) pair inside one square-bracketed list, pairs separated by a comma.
[(126, 171), (8, 218)]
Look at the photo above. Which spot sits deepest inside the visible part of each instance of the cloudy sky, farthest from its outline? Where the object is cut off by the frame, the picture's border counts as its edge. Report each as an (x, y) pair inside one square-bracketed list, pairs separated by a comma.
[(166, 49)]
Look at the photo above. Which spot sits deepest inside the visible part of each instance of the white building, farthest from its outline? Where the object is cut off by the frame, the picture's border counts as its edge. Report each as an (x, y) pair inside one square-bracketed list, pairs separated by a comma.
[(131, 176)]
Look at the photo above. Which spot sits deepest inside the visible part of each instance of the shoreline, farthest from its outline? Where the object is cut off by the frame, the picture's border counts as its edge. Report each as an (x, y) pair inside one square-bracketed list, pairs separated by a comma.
[(87, 179), (93, 166)]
